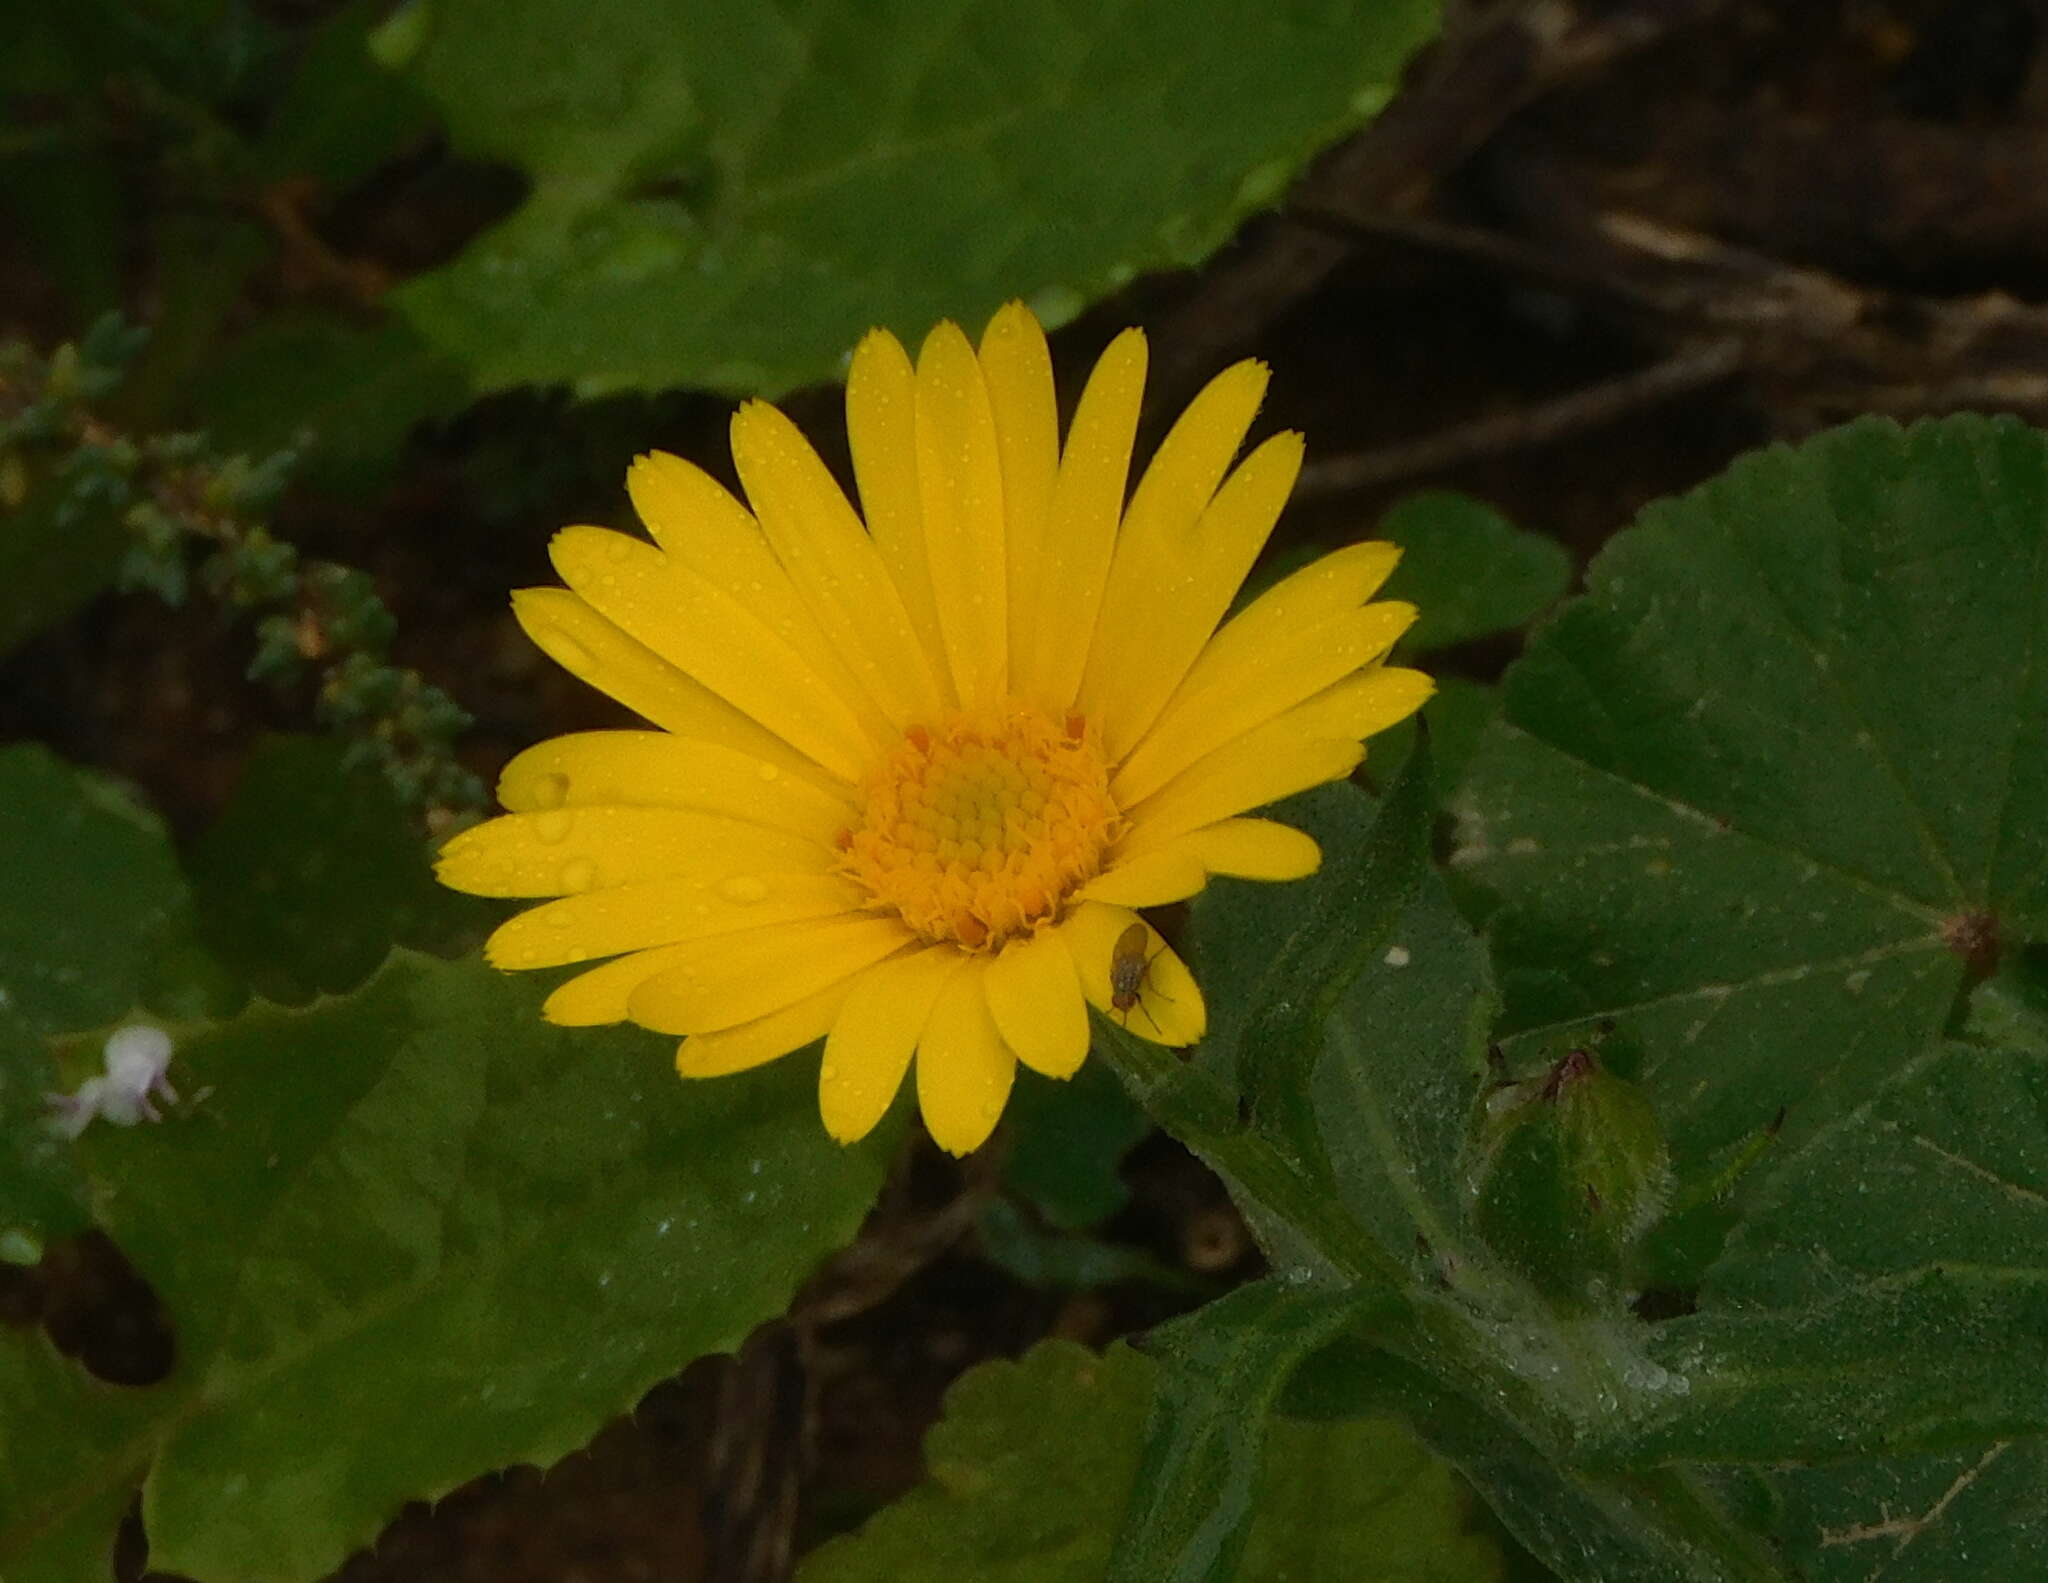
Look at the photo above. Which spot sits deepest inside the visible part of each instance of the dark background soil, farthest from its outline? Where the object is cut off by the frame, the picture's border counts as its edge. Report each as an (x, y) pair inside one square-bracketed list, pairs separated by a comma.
[(1589, 255)]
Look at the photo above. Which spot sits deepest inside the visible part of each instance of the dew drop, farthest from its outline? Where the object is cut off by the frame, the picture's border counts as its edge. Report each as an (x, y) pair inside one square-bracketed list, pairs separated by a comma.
[(578, 874), (743, 889), (768, 772), (554, 826), (551, 790), (828, 1071)]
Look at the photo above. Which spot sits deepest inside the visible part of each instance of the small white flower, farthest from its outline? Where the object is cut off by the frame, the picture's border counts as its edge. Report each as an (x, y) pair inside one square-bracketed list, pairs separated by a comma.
[(137, 1058)]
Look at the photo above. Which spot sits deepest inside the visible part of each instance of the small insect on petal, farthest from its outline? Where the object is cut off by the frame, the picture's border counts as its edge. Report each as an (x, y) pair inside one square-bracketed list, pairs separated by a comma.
[(1127, 965)]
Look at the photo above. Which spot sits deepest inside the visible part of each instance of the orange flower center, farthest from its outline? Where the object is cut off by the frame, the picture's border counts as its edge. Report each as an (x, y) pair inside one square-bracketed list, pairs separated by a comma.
[(979, 829)]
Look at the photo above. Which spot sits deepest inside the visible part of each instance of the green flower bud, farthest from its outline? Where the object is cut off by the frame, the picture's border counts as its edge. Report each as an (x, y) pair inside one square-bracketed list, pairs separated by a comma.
[(1573, 1171)]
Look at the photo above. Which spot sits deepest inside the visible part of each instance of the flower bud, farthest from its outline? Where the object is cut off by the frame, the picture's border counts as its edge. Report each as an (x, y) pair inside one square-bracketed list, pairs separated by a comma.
[(1573, 1171)]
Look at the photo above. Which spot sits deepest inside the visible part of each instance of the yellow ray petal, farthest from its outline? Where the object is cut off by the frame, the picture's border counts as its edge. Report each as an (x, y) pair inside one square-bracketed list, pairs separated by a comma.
[(1362, 705), (654, 769), (662, 912), (1088, 501), (871, 1042), (1254, 849), (1152, 546), (1260, 768), (960, 483), (734, 978), (964, 1070), (593, 650), (1196, 580), (600, 995), (1218, 703), (881, 432), (701, 526), (1036, 1002), (707, 633), (832, 561), (765, 1039), (1169, 1009), (1017, 367), (566, 851), (1169, 874), (1340, 581)]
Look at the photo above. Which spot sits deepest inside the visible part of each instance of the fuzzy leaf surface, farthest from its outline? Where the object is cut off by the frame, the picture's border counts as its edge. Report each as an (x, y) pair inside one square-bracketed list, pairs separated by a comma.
[(728, 195), (1034, 1460), (1754, 793), (417, 1194)]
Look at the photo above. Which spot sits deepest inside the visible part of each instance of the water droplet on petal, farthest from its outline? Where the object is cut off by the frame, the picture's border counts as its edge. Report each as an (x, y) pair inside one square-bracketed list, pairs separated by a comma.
[(828, 1071), (551, 790), (554, 826), (743, 889), (768, 772), (578, 874)]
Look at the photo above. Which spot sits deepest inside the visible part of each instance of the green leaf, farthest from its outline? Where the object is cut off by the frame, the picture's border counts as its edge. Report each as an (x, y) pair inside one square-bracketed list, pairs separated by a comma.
[(343, 114), (419, 1194), (1885, 1294), (313, 872), (1757, 790), (1976, 1514), (1034, 1460), (729, 199), (349, 396), (93, 893), (1192, 1505), (1066, 1142), (1469, 570)]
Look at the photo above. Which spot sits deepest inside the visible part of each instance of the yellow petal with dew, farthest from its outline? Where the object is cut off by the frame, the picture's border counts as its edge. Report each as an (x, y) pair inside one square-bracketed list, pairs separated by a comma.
[(701, 527), (1255, 849), (1169, 1009), (1363, 705), (1152, 544), (600, 996), (1080, 537), (765, 1039), (1017, 368), (1036, 1002), (566, 851), (733, 978), (1340, 581), (655, 770), (964, 1070), (1260, 768), (874, 1036), (705, 632), (1219, 703), (881, 432), (960, 482), (1168, 874), (662, 912), (594, 650), (1195, 582), (833, 562)]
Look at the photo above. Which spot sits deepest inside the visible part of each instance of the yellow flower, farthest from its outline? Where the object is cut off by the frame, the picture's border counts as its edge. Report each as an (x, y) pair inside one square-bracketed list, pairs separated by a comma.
[(910, 779)]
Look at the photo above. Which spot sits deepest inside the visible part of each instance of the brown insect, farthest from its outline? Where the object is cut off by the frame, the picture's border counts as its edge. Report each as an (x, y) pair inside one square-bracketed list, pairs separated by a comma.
[(1128, 967)]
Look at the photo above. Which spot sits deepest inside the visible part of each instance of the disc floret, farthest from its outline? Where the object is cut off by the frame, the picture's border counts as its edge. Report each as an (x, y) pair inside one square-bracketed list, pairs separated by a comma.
[(979, 829)]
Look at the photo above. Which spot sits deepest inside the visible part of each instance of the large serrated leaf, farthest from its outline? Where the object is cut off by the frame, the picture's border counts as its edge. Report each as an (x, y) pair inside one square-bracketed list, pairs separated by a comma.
[(727, 195), (418, 1194), (1767, 790), (1034, 1460)]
